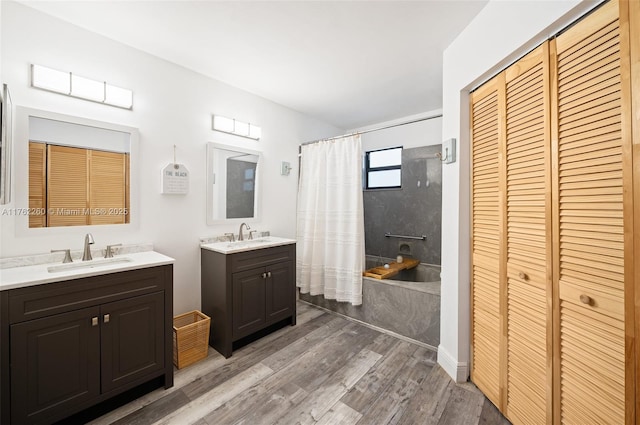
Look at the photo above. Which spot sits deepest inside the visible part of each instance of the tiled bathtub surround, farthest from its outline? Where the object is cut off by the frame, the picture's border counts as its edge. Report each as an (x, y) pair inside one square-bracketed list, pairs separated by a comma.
[(413, 210), (407, 308), (408, 312), (76, 255)]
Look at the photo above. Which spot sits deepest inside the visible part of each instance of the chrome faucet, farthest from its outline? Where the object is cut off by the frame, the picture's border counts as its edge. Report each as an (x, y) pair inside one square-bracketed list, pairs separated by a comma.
[(67, 255), (240, 237), (88, 241), (108, 252)]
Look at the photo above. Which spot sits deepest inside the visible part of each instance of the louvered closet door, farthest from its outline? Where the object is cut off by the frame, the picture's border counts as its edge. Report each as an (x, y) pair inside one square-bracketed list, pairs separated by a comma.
[(37, 184), (67, 186), (528, 275), (107, 187), (590, 235), (486, 216)]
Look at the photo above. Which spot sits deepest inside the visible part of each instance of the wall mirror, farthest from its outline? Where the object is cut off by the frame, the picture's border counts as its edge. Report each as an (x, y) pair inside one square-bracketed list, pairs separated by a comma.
[(233, 183), (77, 170), (6, 120)]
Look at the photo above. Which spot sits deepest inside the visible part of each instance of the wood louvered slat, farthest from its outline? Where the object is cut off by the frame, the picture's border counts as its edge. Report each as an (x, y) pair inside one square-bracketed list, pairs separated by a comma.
[(596, 115), (605, 143), (582, 46), (37, 184), (575, 80), (107, 187), (486, 324), (589, 134), (528, 240), (590, 227), (67, 186)]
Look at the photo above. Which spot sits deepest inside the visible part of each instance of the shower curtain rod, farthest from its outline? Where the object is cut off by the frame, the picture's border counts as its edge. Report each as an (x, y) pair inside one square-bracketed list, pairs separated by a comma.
[(373, 129)]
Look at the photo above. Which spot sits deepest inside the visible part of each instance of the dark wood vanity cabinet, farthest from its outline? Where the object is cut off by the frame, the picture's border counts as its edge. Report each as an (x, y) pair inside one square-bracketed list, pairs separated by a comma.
[(246, 292), (76, 343), (55, 365)]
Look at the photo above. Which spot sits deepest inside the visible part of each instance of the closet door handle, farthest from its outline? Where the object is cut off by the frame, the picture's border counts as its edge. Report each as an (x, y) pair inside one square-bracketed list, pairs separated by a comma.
[(106, 318), (585, 299), (94, 321), (523, 276)]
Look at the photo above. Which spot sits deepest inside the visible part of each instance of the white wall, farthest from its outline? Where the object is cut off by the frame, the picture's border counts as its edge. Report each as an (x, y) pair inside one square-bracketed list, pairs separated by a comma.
[(423, 133), (502, 32), (70, 134), (172, 105)]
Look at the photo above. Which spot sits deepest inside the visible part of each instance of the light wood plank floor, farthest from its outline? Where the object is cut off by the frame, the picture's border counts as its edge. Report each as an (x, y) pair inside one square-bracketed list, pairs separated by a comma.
[(325, 370)]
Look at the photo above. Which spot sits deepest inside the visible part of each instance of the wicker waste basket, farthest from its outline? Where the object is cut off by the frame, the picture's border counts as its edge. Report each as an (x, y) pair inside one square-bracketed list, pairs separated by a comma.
[(190, 338)]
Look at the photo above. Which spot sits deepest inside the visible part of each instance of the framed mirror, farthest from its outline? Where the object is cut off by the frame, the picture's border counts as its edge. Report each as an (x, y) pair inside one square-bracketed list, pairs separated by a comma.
[(233, 184), (6, 119), (72, 171)]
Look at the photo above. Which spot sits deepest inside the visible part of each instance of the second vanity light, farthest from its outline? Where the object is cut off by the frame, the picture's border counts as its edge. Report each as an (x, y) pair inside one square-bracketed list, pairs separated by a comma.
[(237, 128)]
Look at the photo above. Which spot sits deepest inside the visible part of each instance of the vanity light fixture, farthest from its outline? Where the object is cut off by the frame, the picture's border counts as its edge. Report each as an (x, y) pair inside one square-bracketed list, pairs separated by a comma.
[(237, 128), (69, 84)]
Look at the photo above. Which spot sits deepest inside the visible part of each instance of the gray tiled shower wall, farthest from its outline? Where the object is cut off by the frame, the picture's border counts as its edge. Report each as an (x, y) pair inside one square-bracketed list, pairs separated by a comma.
[(413, 210)]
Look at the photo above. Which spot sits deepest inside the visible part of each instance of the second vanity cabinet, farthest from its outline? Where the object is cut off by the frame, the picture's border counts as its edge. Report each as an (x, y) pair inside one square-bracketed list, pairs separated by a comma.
[(76, 343), (246, 292)]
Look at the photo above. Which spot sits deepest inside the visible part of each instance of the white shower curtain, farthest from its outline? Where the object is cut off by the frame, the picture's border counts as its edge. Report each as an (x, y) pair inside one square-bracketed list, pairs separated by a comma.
[(330, 248)]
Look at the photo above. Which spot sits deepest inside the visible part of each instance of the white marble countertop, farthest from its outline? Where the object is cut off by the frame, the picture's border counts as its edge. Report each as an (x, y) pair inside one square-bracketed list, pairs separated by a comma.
[(246, 245), (20, 277)]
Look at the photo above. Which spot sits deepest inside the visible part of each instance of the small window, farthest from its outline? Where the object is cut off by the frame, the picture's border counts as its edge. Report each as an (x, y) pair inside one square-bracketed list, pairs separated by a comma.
[(383, 169)]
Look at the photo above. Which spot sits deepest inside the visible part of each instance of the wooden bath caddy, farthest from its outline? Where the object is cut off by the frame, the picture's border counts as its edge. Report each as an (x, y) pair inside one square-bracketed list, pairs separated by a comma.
[(394, 268)]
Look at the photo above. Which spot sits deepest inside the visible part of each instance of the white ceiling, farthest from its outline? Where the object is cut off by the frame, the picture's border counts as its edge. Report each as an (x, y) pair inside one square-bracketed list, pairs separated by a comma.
[(348, 63)]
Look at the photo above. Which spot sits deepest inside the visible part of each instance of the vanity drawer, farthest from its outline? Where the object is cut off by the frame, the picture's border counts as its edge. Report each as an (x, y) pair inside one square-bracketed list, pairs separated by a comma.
[(261, 257), (47, 299)]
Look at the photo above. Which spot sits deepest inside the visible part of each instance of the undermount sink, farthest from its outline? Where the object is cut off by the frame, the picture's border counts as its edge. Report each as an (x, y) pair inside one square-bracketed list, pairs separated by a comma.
[(250, 242), (87, 264), (247, 245)]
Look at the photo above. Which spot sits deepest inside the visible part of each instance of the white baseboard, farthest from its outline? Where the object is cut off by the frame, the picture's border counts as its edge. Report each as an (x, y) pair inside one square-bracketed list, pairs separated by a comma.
[(458, 371)]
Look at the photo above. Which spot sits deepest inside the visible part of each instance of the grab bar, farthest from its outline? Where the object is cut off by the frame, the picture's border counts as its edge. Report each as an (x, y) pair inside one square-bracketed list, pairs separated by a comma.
[(421, 238)]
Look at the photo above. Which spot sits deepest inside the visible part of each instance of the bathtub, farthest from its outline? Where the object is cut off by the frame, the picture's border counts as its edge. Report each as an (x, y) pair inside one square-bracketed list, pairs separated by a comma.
[(408, 304), (423, 278)]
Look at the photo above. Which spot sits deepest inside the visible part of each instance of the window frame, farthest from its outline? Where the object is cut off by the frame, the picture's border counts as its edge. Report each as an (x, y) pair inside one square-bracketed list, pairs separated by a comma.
[(367, 169)]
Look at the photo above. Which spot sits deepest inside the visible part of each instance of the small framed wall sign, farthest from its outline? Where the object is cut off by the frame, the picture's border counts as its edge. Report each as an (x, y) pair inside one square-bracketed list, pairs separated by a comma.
[(175, 179)]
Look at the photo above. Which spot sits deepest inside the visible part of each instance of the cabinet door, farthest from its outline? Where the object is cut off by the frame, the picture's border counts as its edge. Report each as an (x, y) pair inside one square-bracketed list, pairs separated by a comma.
[(593, 236), (55, 364), (248, 302), (67, 185), (108, 186), (280, 292), (132, 339), (485, 240), (37, 183), (528, 244)]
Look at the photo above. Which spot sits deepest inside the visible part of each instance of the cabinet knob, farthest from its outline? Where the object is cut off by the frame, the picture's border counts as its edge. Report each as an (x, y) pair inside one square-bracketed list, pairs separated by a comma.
[(523, 276), (106, 318), (585, 299), (94, 321), (268, 274), (264, 275)]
